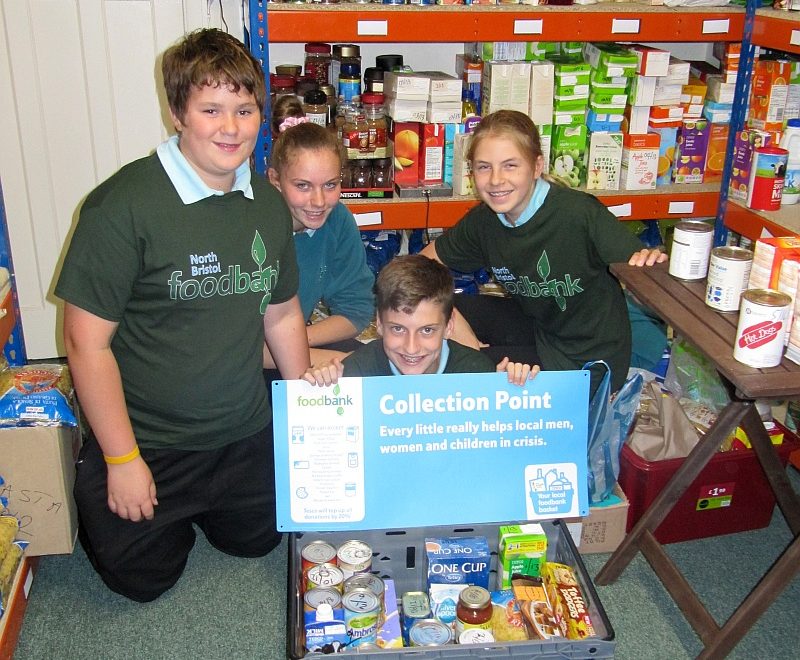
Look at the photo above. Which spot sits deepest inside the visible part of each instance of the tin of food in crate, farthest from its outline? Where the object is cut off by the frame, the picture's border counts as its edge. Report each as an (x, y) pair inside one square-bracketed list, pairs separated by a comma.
[(344, 452)]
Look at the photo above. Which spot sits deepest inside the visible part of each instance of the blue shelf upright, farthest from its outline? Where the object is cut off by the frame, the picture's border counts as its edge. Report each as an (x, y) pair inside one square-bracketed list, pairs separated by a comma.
[(257, 40), (14, 348)]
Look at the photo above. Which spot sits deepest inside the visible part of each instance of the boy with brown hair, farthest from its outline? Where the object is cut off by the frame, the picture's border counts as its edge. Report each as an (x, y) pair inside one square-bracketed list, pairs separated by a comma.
[(178, 264), (414, 301)]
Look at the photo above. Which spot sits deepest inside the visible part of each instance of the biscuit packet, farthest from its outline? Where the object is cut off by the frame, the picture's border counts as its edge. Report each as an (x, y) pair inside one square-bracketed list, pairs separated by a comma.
[(535, 606), (569, 605)]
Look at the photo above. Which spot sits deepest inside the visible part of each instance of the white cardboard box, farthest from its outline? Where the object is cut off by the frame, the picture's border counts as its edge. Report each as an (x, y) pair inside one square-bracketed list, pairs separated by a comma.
[(38, 466)]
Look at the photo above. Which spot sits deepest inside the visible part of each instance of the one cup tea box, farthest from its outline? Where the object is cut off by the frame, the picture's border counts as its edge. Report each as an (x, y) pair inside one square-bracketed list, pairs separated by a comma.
[(453, 563), (521, 550)]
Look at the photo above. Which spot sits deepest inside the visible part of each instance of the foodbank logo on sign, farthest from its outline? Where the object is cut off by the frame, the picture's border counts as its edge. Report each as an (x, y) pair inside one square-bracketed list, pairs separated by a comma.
[(334, 399)]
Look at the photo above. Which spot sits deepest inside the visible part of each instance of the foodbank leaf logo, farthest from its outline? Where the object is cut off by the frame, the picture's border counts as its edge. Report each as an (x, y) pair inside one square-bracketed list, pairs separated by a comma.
[(259, 253), (336, 391), (543, 268)]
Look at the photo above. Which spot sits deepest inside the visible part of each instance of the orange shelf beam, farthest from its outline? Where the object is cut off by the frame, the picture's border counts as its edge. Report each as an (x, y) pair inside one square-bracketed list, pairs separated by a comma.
[(777, 29), (418, 214), (750, 223), (442, 24)]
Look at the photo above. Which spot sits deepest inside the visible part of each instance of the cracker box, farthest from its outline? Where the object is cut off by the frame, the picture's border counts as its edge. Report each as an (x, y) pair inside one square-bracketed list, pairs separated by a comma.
[(406, 145), (690, 153), (746, 142), (715, 154), (522, 549), (640, 161), (605, 161)]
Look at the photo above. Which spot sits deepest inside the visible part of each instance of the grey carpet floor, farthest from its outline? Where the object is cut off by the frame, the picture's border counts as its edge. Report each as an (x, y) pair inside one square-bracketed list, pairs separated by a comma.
[(231, 608)]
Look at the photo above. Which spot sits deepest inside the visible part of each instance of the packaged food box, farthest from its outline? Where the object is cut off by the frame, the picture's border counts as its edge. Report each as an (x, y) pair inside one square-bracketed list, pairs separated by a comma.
[(605, 161), (406, 140), (746, 142), (731, 493), (651, 61), (636, 119), (610, 59), (642, 91), (457, 559), (569, 118), (666, 153), (462, 174), (568, 155), (431, 153), (399, 556), (608, 122), (769, 89), (406, 85), (505, 85), (541, 91), (715, 154), (521, 550), (640, 161), (690, 152)]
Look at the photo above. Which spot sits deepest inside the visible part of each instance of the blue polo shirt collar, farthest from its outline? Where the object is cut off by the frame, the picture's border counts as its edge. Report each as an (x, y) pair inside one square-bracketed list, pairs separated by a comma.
[(188, 184), (534, 204), (442, 360)]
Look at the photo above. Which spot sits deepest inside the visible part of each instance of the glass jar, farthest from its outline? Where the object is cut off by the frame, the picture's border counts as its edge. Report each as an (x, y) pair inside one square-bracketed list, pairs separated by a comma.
[(361, 173), (474, 610), (303, 85), (281, 85), (317, 62), (315, 105), (293, 70), (341, 52), (376, 121), (373, 79), (349, 83), (355, 132), (390, 62), (330, 99), (382, 173)]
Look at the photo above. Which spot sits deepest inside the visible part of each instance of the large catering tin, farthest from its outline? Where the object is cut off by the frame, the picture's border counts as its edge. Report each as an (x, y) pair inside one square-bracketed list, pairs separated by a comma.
[(400, 555)]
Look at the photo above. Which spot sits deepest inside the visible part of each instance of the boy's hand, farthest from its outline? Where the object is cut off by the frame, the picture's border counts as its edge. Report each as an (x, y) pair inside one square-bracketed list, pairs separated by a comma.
[(518, 373), (327, 373), (132, 491), (647, 257)]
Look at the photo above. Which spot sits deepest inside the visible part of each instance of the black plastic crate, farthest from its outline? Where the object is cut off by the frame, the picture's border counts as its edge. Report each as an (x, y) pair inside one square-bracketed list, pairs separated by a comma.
[(400, 555)]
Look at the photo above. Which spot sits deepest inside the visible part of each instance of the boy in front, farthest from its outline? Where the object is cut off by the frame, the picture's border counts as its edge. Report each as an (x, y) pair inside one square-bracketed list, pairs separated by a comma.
[(175, 261), (414, 301)]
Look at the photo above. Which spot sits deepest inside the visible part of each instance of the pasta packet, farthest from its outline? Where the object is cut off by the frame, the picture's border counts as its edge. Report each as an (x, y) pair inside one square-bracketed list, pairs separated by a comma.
[(8, 568), (36, 395)]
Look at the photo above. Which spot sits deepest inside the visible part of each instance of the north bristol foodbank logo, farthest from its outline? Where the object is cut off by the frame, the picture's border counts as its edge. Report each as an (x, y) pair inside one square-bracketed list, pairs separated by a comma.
[(325, 401), (234, 281), (559, 290)]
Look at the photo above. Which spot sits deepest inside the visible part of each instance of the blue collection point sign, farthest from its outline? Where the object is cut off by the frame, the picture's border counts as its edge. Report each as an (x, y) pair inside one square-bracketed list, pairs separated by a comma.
[(413, 451)]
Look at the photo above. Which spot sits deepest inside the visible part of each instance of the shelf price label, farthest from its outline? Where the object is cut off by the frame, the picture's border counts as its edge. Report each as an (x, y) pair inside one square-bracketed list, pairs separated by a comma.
[(368, 219), (621, 210), (373, 28), (794, 39), (625, 26), (716, 26), (528, 26), (680, 207)]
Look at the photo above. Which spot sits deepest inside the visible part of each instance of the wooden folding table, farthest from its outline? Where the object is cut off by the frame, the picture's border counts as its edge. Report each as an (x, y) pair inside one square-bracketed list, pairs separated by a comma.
[(682, 305)]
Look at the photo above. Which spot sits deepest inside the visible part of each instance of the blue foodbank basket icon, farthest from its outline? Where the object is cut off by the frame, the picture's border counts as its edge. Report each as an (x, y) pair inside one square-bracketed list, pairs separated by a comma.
[(552, 494)]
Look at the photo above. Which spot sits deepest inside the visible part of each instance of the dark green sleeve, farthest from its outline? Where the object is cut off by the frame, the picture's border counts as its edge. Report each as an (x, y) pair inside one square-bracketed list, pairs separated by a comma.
[(613, 241)]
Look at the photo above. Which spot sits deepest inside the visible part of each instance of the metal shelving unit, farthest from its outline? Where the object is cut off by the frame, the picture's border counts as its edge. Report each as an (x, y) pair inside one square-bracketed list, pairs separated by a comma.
[(356, 23)]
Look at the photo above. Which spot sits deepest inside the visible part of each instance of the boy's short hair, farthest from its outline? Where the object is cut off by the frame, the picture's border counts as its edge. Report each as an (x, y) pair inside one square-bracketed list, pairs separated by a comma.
[(408, 280), (210, 57)]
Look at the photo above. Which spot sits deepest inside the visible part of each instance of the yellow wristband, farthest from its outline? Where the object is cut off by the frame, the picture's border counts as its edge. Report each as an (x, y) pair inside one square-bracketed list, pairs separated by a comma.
[(125, 458)]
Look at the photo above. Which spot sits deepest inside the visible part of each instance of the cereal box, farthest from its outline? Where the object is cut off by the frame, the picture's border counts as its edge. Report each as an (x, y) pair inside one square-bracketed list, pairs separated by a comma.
[(690, 152)]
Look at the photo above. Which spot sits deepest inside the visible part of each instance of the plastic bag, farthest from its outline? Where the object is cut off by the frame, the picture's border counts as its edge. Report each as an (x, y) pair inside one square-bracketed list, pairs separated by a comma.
[(609, 423), (691, 375)]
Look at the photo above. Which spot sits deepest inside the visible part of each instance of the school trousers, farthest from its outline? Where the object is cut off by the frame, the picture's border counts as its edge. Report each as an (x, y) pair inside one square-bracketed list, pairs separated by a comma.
[(229, 493)]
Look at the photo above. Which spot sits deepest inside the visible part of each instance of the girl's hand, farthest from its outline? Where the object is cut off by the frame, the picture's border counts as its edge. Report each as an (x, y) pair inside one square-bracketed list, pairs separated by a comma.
[(327, 373), (518, 373), (647, 257)]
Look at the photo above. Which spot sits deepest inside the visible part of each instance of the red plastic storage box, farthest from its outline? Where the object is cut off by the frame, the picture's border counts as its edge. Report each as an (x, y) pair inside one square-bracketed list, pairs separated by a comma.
[(731, 494)]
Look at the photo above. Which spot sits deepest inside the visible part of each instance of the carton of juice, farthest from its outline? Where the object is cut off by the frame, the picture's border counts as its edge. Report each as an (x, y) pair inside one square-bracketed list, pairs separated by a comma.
[(666, 153), (769, 89), (431, 153), (640, 161), (405, 142), (715, 155), (568, 155), (605, 161), (690, 152), (747, 141)]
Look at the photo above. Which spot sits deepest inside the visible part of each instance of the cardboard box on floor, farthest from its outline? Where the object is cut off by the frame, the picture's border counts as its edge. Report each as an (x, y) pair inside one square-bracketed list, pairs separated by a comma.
[(603, 529), (38, 466)]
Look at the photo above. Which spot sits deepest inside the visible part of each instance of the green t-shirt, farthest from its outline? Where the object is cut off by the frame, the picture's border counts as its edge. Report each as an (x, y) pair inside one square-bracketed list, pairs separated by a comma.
[(188, 285), (556, 267), (371, 360)]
